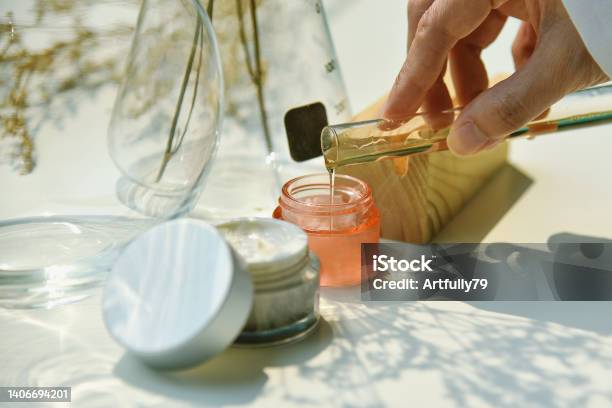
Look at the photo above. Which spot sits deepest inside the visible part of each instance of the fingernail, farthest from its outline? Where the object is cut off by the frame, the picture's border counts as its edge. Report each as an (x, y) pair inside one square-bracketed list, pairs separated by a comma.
[(492, 144), (388, 125), (466, 139), (390, 111)]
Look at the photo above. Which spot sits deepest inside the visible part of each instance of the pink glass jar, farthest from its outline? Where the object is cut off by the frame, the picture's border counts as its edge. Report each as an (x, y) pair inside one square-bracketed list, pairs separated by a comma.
[(336, 229)]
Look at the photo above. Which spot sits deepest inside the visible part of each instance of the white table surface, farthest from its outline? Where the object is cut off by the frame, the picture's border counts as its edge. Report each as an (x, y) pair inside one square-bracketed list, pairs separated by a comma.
[(513, 354)]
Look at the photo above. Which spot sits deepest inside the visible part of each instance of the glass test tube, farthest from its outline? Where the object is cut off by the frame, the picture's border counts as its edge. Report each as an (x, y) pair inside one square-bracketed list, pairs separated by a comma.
[(361, 142)]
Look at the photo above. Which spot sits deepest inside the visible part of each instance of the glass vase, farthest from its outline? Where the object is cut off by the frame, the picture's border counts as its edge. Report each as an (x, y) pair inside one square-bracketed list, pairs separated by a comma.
[(276, 55), (78, 189)]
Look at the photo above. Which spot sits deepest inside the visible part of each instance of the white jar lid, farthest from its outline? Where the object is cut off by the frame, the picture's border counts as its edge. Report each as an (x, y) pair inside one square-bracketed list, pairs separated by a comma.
[(270, 247), (177, 295)]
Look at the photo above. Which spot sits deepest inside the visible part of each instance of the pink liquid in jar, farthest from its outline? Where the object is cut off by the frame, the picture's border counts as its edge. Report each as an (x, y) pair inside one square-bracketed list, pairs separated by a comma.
[(337, 226)]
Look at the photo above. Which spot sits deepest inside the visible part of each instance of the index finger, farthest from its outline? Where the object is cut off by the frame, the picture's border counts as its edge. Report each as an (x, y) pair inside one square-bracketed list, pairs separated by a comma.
[(443, 24)]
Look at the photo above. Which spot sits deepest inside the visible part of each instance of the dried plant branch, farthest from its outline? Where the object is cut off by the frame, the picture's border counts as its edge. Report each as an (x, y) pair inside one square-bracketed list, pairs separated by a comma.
[(36, 76), (168, 153), (209, 9), (260, 79), (195, 93), (171, 147), (244, 41), (255, 69)]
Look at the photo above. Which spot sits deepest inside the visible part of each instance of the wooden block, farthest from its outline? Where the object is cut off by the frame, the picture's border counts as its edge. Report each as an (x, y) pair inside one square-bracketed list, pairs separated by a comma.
[(417, 196)]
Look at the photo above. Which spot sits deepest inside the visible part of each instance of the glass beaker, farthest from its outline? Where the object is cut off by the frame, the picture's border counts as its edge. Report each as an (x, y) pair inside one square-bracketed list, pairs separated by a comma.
[(276, 55), (86, 192)]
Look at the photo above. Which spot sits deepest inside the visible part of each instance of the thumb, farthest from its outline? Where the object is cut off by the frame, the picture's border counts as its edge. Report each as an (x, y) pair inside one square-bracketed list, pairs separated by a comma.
[(509, 105)]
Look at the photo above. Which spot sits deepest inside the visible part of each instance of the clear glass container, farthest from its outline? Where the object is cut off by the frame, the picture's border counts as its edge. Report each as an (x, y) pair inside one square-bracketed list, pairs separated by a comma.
[(277, 55), (335, 228), (285, 276), (166, 118), (77, 192), (354, 143)]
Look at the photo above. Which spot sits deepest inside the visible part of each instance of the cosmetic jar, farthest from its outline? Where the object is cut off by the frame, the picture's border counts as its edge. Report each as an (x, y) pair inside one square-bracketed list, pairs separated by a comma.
[(177, 295), (183, 291), (336, 227), (285, 277)]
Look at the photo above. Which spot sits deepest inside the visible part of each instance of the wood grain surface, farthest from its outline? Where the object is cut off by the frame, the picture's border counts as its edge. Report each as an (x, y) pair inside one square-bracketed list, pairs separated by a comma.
[(417, 196)]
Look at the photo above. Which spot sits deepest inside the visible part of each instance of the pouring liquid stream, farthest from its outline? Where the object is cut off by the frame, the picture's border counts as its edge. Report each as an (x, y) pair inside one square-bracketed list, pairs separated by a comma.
[(332, 182)]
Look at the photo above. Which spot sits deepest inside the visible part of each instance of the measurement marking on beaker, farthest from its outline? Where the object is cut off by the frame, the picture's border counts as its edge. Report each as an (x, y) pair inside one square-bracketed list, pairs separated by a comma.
[(330, 66), (318, 7)]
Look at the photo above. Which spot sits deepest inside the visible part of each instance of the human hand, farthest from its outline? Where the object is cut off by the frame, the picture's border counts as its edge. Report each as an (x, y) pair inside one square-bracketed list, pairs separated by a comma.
[(550, 58)]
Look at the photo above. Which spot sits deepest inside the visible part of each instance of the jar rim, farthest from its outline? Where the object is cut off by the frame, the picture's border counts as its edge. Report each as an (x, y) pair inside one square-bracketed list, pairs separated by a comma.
[(363, 189)]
